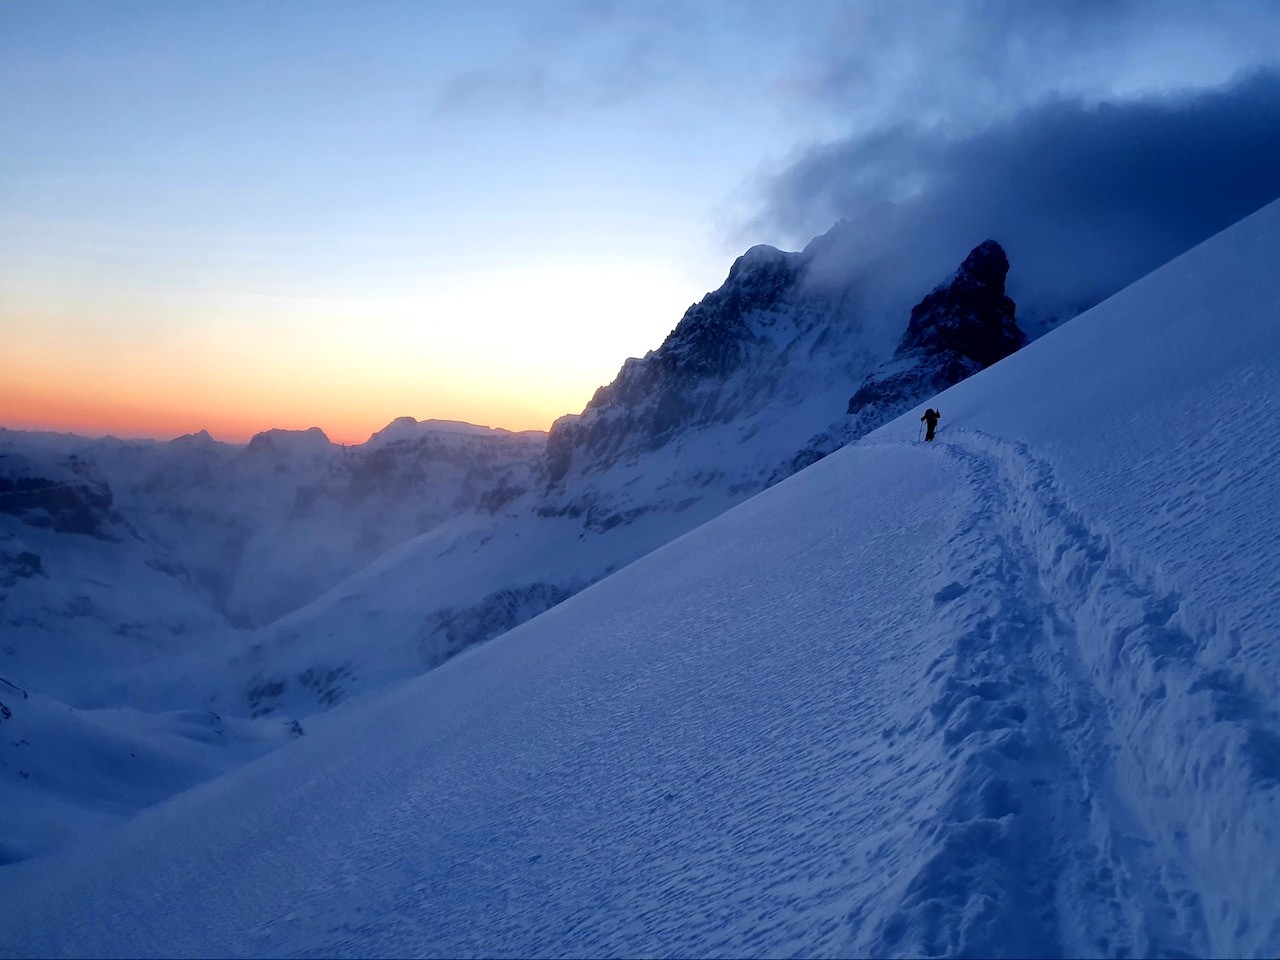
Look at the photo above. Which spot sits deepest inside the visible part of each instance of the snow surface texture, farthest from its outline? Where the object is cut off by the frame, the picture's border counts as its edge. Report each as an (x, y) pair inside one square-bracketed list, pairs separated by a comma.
[(1013, 692)]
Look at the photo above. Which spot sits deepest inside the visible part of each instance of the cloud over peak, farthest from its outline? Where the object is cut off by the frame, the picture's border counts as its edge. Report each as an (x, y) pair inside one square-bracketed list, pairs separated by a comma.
[(1086, 197)]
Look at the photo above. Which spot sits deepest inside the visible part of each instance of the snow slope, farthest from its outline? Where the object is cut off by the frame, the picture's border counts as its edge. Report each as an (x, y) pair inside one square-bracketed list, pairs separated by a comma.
[(713, 416), (122, 562), (1011, 693), (67, 773)]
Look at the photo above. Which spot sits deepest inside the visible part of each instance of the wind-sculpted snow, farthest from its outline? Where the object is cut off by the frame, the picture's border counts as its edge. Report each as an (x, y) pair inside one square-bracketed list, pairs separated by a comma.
[(1173, 743), (617, 771), (1009, 693)]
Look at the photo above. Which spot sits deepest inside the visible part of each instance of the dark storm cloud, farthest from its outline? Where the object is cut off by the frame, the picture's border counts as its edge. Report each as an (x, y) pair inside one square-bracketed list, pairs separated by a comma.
[(1085, 198), (962, 64)]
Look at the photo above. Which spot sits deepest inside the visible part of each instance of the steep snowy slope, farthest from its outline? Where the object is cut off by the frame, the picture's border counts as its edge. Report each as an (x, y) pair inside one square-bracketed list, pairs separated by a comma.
[(711, 417), (1014, 692), (67, 773), (517, 522)]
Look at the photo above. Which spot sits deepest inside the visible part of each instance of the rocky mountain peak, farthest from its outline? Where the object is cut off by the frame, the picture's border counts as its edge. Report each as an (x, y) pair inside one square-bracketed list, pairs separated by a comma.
[(968, 315), (683, 382), (963, 325), (758, 262), (708, 339), (311, 440), (987, 264), (199, 438)]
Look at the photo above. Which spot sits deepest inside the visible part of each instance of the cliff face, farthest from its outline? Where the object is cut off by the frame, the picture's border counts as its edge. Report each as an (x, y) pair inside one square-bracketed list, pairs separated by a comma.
[(732, 354), (260, 528), (969, 315), (64, 495)]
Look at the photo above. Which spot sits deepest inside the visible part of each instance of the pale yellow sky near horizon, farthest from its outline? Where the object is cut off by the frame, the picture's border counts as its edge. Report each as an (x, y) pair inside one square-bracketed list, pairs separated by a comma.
[(241, 364)]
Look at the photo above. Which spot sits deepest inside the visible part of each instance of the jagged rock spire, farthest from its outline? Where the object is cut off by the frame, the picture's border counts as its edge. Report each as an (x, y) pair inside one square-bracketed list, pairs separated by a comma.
[(962, 326), (969, 315), (959, 328)]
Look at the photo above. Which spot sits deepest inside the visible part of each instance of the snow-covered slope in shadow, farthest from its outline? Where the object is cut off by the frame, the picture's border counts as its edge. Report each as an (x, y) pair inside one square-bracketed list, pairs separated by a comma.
[(66, 773), (1014, 692)]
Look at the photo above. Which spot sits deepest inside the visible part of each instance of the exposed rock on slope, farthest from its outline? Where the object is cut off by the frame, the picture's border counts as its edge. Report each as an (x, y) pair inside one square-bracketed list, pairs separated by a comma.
[(119, 553), (64, 495), (962, 326)]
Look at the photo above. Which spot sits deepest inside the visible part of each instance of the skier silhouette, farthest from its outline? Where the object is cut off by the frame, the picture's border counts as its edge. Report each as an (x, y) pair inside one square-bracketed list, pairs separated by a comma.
[(931, 418)]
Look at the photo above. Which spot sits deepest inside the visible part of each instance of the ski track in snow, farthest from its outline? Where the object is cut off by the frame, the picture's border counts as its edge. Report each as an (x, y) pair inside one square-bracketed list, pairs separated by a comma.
[(1074, 710)]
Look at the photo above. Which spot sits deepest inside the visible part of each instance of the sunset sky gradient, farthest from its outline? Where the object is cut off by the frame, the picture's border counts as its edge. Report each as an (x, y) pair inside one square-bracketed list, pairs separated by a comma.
[(242, 215)]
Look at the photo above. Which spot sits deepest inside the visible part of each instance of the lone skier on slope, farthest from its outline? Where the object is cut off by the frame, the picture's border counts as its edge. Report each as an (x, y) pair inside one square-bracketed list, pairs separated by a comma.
[(931, 418)]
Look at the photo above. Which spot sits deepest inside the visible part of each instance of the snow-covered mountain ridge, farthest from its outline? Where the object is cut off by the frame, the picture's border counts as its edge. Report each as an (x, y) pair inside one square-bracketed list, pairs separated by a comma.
[(251, 533), (196, 539), (698, 425), (727, 357), (963, 325), (1010, 693)]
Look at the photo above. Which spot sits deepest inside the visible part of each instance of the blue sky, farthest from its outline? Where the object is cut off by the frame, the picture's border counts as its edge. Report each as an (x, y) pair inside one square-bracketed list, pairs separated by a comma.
[(243, 215)]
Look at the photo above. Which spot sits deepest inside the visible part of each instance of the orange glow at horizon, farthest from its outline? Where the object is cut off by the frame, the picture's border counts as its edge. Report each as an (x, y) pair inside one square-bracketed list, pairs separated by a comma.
[(163, 406), (128, 421), (507, 350)]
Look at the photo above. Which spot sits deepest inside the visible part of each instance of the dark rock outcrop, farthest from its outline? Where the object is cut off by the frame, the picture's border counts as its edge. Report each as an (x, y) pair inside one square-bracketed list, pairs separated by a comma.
[(450, 631), (64, 498), (19, 565), (962, 326)]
